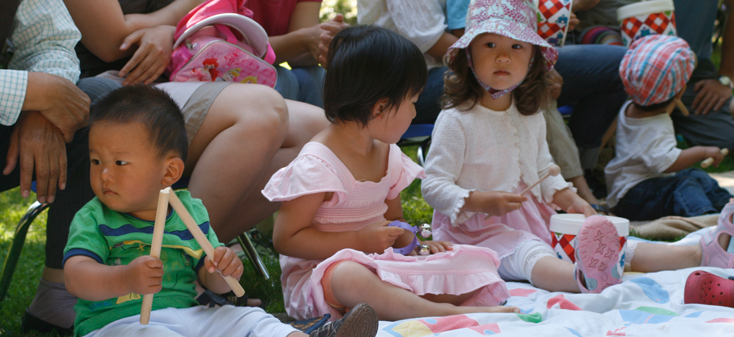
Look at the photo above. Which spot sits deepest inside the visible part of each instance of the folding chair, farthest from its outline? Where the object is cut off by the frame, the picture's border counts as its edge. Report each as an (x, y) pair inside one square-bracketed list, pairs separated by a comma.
[(418, 134)]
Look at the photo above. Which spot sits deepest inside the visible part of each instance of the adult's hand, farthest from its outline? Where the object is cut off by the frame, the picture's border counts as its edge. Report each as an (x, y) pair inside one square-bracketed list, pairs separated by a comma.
[(328, 30), (573, 21), (37, 144), (155, 46), (59, 100), (555, 84), (711, 95), (584, 5)]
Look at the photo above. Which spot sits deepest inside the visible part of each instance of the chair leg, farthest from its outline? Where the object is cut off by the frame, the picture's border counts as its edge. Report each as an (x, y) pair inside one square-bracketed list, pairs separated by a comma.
[(11, 260), (249, 248), (423, 151)]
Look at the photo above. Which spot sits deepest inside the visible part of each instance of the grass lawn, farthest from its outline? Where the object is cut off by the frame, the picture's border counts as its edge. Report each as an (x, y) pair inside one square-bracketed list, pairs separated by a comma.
[(23, 287)]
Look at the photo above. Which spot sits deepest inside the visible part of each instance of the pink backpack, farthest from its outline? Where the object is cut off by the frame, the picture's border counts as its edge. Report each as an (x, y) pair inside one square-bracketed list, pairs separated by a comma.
[(216, 42)]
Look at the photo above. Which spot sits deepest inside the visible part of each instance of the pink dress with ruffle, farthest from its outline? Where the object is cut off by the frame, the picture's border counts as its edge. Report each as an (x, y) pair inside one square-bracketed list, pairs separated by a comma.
[(356, 204)]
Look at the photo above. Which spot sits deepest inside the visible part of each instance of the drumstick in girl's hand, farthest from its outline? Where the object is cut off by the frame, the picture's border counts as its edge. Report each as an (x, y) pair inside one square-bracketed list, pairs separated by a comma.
[(710, 160), (553, 170)]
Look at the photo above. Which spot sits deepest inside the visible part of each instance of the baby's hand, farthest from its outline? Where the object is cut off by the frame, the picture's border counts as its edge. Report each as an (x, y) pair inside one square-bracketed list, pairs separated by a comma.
[(225, 261), (377, 237), (145, 275), (581, 206), (500, 203), (438, 246), (714, 152)]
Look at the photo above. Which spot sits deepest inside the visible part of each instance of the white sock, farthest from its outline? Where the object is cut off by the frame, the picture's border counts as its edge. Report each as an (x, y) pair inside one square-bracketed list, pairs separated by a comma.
[(53, 304)]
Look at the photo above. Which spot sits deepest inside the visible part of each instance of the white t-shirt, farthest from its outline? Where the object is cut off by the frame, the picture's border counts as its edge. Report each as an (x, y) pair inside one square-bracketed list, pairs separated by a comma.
[(420, 21), (645, 148)]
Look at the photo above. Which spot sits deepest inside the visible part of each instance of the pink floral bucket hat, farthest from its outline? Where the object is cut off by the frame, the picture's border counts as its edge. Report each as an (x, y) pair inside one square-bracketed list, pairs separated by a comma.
[(516, 19)]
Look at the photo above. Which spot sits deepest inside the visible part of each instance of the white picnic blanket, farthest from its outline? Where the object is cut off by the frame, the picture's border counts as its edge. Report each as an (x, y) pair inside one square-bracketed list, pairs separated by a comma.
[(643, 305)]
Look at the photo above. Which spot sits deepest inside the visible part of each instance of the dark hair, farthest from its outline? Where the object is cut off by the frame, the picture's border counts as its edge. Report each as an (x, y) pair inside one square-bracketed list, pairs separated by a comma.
[(367, 64), (656, 106), (461, 86), (152, 107)]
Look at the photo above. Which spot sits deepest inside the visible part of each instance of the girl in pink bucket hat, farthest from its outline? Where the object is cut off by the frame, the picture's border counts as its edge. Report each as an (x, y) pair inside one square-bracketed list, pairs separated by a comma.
[(489, 146)]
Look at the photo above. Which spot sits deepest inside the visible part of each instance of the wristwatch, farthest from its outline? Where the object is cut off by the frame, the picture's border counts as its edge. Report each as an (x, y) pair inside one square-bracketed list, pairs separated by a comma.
[(725, 80)]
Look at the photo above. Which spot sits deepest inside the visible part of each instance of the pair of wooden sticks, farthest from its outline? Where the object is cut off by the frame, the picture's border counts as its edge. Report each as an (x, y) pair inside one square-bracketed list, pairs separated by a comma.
[(164, 198)]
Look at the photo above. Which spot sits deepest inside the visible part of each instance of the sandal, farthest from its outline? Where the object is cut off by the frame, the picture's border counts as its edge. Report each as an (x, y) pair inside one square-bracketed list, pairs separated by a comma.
[(597, 255), (713, 254), (706, 288), (600, 209), (210, 299), (309, 325)]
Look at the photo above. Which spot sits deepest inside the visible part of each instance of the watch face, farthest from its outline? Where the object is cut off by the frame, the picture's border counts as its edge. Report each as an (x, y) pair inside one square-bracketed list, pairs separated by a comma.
[(725, 80)]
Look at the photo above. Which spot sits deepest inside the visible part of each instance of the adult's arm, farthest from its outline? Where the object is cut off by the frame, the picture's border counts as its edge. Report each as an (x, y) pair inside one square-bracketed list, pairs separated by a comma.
[(727, 46), (104, 27), (169, 15), (44, 38), (710, 93), (422, 22), (300, 46)]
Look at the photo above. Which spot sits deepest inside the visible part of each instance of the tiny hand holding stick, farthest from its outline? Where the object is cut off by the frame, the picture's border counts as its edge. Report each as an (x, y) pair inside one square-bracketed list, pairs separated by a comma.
[(202, 240), (155, 247), (553, 170), (164, 198), (710, 160)]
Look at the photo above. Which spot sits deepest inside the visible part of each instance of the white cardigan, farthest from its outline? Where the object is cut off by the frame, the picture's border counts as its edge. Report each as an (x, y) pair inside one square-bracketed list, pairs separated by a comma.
[(485, 150)]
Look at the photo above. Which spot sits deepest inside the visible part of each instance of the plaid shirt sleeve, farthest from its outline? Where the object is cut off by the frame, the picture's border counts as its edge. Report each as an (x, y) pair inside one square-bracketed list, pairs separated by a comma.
[(43, 37)]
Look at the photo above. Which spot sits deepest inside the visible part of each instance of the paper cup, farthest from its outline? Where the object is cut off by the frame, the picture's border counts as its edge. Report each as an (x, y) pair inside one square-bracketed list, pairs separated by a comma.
[(553, 16), (646, 18), (565, 227)]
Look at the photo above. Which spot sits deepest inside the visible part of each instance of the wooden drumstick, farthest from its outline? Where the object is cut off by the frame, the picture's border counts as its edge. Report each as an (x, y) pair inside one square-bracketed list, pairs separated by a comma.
[(155, 247), (681, 107), (710, 160), (553, 170), (202, 240)]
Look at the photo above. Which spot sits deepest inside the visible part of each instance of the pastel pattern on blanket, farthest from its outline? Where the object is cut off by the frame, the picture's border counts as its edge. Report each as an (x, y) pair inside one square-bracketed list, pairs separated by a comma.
[(434, 325), (652, 289)]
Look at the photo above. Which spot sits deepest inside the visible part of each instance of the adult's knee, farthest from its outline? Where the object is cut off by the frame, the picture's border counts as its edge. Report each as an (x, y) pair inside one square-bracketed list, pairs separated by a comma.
[(97, 87), (258, 107)]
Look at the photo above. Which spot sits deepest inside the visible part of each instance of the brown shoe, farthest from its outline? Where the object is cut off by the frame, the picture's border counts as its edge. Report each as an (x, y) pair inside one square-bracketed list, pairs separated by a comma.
[(361, 321)]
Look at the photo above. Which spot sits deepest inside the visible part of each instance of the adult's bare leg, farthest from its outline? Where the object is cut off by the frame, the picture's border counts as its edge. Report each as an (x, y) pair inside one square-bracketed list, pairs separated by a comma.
[(305, 121), (241, 133)]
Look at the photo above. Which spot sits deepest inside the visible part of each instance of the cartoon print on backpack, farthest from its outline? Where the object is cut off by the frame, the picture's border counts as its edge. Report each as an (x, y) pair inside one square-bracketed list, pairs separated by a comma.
[(218, 41)]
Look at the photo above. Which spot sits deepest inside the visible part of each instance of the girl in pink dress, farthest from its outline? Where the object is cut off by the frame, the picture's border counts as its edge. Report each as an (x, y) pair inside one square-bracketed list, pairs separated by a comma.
[(489, 145), (341, 195)]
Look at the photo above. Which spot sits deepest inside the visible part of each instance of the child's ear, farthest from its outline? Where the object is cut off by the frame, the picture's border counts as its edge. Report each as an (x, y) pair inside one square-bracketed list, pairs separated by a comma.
[(174, 171), (379, 108)]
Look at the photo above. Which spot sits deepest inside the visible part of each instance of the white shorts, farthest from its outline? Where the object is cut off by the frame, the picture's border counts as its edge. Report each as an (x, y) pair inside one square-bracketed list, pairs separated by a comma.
[(518, 265), (200, 321)]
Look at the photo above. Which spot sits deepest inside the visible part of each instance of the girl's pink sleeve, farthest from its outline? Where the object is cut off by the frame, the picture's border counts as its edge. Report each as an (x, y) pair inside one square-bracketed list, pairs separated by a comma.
[(303, 176)]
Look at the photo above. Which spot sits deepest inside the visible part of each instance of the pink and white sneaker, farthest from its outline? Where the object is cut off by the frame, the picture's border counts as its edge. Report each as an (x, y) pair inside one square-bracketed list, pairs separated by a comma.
[(712, 254), (597, 255)]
